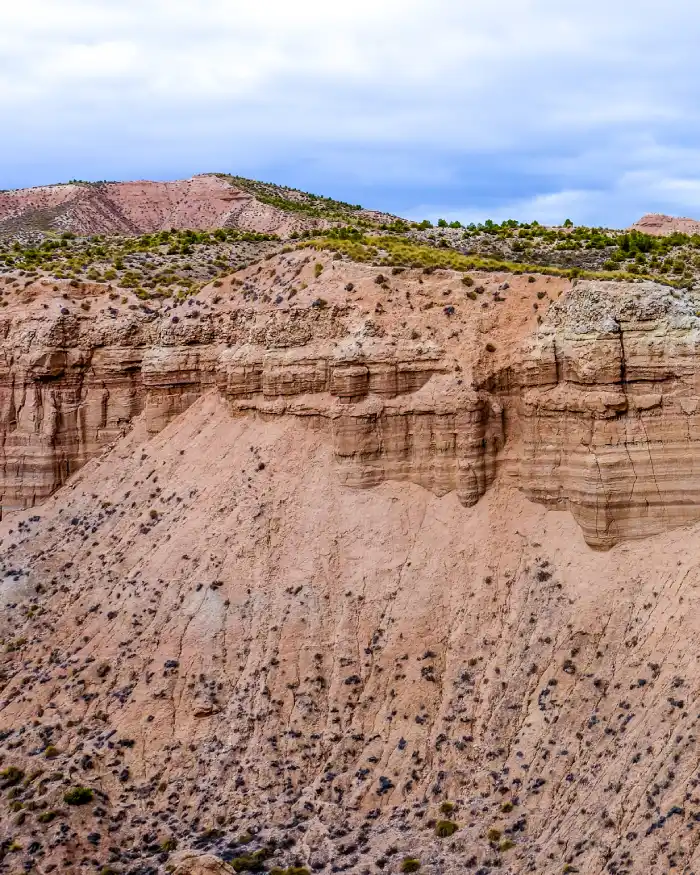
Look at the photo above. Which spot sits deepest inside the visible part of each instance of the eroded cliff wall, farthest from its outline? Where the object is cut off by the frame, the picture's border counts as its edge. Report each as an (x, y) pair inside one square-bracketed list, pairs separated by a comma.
[(587, 397)]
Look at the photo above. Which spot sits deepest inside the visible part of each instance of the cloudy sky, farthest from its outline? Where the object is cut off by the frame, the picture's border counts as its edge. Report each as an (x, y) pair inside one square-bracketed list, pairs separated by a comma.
[(541, 109)]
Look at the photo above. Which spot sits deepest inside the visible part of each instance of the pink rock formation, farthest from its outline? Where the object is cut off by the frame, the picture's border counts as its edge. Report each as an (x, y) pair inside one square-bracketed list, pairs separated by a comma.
[(594, 410), (661, 225)]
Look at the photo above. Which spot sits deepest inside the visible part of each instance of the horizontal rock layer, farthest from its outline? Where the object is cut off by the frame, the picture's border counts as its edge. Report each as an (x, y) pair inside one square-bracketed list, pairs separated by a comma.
[(596, 411)]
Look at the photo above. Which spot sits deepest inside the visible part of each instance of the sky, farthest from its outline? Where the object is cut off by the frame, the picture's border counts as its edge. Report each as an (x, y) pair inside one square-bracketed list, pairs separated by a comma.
[(526, 109)]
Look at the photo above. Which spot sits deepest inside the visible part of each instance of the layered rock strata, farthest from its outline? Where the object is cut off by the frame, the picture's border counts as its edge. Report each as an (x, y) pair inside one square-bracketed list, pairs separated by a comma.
[(594, 408), (607, 399)]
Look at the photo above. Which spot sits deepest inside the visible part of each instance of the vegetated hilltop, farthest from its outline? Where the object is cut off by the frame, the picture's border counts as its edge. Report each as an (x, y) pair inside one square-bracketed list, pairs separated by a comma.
[(366, 551), (172, 262), (673, 257), (204, 202)]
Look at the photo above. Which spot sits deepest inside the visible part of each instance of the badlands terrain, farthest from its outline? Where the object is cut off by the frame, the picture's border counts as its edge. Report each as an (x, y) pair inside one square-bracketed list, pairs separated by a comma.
[(363, 549)]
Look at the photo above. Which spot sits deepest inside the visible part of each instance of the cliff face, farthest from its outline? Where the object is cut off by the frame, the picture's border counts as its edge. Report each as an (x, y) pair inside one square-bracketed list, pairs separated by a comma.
[(236, 652), (296, 602), (606, 399), (594, 409)]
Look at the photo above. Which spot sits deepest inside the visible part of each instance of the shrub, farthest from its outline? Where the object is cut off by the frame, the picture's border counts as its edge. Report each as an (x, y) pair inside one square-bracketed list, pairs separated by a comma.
[(493, 835), (78, 796), (47, 816), (250, 862), (51, 751), (445, 828), (467, 281), (490, 347), (506, 845), (11, 776), (318, 269), (410, 864), (447, 808)]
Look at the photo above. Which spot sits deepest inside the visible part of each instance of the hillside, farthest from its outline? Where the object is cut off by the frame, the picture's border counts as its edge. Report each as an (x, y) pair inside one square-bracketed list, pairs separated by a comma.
[(204, 202), (332, 542), (336, 566)]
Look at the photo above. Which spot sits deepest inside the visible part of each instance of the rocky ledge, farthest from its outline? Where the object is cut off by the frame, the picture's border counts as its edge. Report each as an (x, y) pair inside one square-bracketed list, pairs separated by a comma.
[(586, 396)]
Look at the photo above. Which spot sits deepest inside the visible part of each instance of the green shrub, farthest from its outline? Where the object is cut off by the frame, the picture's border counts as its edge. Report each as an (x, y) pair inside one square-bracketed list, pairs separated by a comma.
[(11, 776), (254, 862), (445, 828), (410, 864), (78, 796)]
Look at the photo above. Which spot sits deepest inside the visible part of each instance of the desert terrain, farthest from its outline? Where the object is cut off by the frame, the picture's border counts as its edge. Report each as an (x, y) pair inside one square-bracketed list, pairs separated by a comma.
[(353, 554)]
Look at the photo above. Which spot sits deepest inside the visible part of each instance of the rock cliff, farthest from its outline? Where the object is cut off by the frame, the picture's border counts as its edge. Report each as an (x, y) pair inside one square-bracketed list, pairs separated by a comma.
[(592, 407)]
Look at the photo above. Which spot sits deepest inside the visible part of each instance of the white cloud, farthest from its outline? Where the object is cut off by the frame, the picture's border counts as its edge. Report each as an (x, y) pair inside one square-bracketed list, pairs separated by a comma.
[(571, 100)]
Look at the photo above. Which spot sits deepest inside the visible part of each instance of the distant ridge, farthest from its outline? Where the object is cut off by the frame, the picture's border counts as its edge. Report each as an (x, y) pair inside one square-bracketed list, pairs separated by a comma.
[(660, 225), (203, 202)]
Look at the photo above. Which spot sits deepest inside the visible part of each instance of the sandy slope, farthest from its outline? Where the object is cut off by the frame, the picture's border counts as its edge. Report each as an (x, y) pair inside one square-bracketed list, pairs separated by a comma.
[(325, 666)]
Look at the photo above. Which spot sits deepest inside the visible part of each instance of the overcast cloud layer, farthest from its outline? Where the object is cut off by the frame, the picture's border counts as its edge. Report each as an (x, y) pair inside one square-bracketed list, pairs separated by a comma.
[(512, 108)]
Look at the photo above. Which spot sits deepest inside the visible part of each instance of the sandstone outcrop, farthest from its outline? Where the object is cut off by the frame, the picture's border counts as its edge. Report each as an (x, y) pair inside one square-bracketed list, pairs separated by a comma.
[(593, 408), (240, 654), (661, 225), (606, 398)]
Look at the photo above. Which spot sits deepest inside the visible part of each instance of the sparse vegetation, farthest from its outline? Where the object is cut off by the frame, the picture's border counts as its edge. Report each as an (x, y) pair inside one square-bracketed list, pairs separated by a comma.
[(10, 777), (391, 250), (445, 828), (164, 264), (293, 200), (78, 796)]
